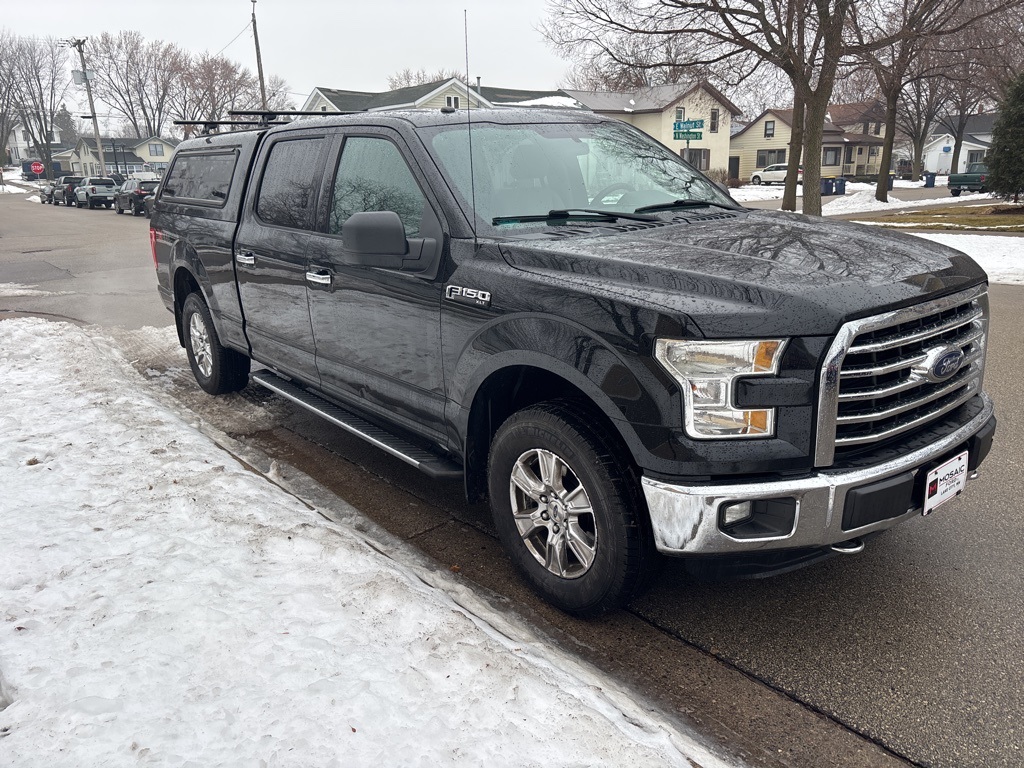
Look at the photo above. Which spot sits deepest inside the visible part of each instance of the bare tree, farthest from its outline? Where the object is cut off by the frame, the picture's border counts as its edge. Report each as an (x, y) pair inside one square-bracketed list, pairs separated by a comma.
[(408, 77), (804, 39), (920, 103), (8, 78), (910, 30), (41, 85)]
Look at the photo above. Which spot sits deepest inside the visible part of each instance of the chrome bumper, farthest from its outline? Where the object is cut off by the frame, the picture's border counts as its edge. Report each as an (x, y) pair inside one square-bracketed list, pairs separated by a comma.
[(685, 517)]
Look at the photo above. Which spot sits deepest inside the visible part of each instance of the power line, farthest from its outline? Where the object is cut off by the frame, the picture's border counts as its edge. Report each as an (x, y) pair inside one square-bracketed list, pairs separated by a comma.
[(241, 32)]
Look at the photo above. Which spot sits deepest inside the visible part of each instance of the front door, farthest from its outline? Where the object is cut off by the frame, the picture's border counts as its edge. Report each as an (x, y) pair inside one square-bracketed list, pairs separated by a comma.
[(378, 331)]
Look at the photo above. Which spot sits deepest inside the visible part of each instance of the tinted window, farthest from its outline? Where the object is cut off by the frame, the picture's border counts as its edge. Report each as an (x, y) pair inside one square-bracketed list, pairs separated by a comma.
[(287, 193), (203, 176), (373, 176), (149, 186), (102, 182)]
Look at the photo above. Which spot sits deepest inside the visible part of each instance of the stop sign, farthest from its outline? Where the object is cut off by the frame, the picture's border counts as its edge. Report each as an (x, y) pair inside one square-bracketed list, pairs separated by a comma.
[(37, 168)]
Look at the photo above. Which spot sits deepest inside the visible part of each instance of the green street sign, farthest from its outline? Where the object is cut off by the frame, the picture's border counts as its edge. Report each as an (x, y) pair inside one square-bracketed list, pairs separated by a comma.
[(687, 135)]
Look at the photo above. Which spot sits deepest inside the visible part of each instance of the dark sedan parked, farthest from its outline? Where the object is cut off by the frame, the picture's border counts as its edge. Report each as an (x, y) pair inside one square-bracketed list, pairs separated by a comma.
[(132, 194)]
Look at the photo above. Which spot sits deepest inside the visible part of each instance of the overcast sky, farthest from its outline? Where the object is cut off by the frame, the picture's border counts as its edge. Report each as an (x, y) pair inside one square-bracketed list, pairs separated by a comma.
[(330, 43)]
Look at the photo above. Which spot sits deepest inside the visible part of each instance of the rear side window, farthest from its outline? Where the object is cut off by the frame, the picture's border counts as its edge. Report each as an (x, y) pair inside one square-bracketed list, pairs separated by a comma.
[(287, 192), (204, 177)]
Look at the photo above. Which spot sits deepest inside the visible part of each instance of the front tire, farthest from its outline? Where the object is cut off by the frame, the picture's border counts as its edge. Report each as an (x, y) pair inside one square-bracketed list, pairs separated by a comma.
[(566, 504), (118, 209), (217, 369), (755, 180)]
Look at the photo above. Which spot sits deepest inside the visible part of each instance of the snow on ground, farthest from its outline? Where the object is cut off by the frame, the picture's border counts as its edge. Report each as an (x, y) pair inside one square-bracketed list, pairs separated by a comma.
[(164, 604), (1002, 257)]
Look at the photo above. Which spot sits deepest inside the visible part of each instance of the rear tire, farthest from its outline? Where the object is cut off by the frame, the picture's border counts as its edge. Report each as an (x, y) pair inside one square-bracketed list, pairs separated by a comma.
[(217, 369), (955, 192), (567, 507)]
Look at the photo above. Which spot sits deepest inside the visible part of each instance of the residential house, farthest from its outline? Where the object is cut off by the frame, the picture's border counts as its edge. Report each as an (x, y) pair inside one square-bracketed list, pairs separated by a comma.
[(938, 150), (20, 147), (122, 155), (442, 93), (765, 141), (652, 110), (655, 110), (863, 123)]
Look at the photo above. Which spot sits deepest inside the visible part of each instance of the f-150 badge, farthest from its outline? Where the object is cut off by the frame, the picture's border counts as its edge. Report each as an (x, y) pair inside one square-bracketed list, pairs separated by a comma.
[(470, 296)]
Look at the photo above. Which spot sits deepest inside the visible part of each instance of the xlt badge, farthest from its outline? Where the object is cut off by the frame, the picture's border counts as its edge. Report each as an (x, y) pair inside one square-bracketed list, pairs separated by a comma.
[(471, 296)]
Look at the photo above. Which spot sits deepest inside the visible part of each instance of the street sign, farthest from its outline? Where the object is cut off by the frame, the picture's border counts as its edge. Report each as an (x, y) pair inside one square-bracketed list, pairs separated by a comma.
[(687, 135), (37, 168), (687, 125)]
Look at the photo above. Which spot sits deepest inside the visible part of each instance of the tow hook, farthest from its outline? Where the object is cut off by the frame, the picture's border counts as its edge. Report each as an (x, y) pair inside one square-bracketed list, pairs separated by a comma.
[(851, 547)]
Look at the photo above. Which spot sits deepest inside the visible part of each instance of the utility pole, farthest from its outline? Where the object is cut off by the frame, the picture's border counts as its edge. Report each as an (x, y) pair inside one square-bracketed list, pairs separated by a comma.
[(259, 59), (80, 45)]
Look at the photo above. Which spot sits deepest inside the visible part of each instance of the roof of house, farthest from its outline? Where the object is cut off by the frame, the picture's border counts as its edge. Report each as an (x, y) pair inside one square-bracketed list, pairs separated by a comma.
[(830, 131), (363, 101), (527, 98), (655, 98), (90, 141), (856, 112)]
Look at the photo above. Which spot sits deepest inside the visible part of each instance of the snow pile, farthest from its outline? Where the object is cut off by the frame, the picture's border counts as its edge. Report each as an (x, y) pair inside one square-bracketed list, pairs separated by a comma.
[(1001, 257), (864, 201), (561, 102), (761, 192), (164, 604)]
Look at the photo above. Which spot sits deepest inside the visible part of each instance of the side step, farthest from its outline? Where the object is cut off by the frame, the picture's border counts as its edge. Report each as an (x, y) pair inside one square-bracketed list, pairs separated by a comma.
[(425, 461)]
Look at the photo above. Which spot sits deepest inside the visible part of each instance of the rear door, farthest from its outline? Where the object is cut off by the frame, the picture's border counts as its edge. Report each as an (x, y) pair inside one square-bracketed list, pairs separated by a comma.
[(270, 251)]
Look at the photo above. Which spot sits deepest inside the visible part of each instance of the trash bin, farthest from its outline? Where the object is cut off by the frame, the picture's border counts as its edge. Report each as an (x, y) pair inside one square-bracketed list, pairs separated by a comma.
[(840, 186), (929, 180), (828, 186), (892, 176)]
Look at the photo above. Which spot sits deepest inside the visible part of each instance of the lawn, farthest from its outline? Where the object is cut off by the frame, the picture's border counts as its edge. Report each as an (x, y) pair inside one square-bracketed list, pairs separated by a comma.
[(1000, 217)]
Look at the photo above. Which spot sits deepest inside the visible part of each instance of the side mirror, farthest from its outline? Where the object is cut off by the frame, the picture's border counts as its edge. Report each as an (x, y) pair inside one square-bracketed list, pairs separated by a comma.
[(375, 233)]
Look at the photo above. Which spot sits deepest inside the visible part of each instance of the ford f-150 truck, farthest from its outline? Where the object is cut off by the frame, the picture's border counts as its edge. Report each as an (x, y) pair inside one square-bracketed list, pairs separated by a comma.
[(558, 310)]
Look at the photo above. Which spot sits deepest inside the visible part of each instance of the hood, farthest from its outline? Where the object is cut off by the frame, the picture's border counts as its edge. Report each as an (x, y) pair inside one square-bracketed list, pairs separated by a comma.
[(783, 274)]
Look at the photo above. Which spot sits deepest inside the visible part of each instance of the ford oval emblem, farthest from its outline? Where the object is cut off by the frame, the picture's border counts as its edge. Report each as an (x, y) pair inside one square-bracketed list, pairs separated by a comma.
[(941, 363)]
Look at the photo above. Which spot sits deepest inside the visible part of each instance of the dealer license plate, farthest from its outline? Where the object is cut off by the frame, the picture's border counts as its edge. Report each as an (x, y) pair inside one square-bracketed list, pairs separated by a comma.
[(944, 482)]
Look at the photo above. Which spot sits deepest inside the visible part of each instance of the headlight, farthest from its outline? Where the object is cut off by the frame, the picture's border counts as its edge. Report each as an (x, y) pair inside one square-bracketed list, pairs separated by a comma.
[(707, 372)]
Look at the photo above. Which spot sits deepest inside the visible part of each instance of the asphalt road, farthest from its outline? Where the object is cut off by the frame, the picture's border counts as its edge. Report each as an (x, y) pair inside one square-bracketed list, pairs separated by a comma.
[(910, 653)]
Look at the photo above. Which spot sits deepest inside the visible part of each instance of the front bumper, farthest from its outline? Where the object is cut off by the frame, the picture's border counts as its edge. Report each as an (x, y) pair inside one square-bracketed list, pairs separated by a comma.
[(685, 518)]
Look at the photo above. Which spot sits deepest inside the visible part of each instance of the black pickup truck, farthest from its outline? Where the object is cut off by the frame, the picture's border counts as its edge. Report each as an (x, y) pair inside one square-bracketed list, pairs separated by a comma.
[(556, 309)]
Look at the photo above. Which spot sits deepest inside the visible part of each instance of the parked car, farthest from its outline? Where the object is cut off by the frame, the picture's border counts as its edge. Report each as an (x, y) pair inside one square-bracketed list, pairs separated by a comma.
[(775, 174), (132, 194), (94, 191), (46, 192), (64, 190), (973, 180)]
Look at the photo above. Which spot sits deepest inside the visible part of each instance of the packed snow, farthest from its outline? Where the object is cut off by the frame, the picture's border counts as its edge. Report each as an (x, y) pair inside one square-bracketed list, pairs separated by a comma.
[(1001, 256), (164, 603)]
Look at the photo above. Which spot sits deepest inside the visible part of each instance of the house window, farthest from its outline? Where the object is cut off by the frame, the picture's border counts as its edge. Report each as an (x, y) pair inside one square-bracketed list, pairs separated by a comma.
[(872, 151), (713, 128), (680, 114), (769, 129), (849, 153), (156, 150), (767, 157), (698, 158), (451, 101), (976, 156), (878, 128), (830, 156), (323, 108)]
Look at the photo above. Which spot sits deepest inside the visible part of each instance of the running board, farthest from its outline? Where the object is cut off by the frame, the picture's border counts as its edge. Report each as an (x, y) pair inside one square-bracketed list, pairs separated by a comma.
[(425, 461)]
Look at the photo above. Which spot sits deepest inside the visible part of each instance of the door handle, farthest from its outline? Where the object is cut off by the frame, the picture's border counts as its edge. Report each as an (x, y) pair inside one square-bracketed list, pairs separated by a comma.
[(247, 259), (321, 277)]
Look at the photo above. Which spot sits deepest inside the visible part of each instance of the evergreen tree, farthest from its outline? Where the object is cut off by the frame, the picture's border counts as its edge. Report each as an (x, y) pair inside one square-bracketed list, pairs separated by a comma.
[(1006, 157), (65, 123)]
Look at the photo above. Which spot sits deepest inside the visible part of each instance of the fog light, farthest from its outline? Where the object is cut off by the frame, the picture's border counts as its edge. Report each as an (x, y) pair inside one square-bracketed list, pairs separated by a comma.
[(736, 513)]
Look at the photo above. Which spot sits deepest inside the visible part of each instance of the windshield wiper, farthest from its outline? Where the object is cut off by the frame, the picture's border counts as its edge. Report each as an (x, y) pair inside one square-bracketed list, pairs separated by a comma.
[(683, 204), (576, 214)]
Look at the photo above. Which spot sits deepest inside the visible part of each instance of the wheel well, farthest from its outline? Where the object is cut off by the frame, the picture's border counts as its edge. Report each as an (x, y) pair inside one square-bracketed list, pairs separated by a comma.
[(503, 393), (184, 284)]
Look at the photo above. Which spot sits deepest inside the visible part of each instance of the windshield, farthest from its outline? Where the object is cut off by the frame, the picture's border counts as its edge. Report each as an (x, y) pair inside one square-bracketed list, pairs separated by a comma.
[(531, 169)]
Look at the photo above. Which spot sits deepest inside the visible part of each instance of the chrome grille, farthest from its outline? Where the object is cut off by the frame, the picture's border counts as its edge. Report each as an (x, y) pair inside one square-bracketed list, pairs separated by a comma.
[(882, 375)]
